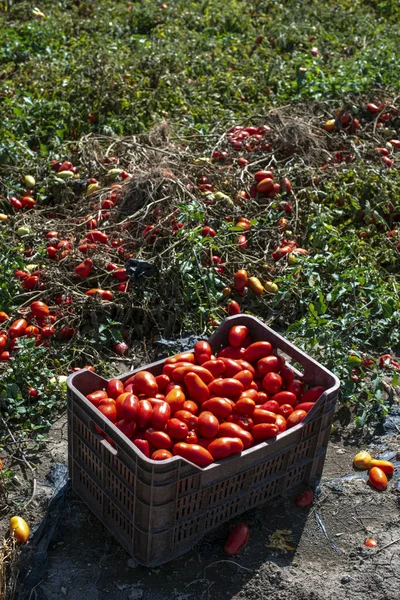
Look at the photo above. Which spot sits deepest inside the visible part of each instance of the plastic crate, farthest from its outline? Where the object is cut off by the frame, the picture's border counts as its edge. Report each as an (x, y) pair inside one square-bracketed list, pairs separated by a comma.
[(160, 510)]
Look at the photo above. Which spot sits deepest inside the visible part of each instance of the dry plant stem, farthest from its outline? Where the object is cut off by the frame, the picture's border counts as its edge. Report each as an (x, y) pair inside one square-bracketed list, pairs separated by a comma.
[(26, 462)]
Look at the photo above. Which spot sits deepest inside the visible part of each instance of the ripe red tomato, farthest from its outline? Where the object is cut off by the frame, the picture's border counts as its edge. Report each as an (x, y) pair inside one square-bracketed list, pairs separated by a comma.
[(162, 382), (307, 406), (270, 405), (96, 397), (263, 416), (227, 388), (264, 431), (285, 398), (371, 543), (281, 423), (40, 310), (245, 378), (237, 335), (202, 351), (143, 446), (158, 439), (234, 430), (237, 539), (233, 308), (161, 414), (208, 425), (176, 399), (224, 447), (17, 329), (180, 373), (193, 453), (146, 383), (231, 352), (240, 280), (220, 407), (287, 375), (127, 427), (268, 364), (232, 367), (245, 423), (115, 388), (103, 294), (285, 410), (245, 406), (215, 366), (191, 407), (144, 414), (296, 387), (250, 393), (257, 350), (108, 409), (181, 357), (161, 455), (295, 418), (272, 383), (187, 417), (378, 479), (176, 429), (304, 499), (197, 389)]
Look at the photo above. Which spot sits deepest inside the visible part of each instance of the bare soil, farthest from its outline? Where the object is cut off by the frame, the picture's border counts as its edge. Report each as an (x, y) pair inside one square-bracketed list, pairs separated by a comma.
[(292, 553)]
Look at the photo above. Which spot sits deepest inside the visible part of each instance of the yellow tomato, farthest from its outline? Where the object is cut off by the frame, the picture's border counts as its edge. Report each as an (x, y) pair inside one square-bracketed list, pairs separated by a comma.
[(19, 529), (362, 460)]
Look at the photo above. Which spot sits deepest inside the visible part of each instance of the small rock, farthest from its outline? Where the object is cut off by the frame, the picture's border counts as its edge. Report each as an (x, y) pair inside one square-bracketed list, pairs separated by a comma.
[(346, 579), (64, 591), (132, 563), (135, 594)]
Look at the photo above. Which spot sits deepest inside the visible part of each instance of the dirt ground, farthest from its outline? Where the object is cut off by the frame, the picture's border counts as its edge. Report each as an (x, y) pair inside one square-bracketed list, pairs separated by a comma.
[(292, 553)]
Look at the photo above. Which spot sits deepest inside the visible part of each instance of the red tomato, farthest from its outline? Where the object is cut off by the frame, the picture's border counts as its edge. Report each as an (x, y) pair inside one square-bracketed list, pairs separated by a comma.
[(161, 455), (115, 388), (146, 383), (187, 417), (227, 388), (3, 342), (245, 378), (176, 429), (232, 367), (312, 394), (233, 308), (39, 310), (158, 439), (245, 406), (281, 423), (304, 499), (181, 357), (109, 410), (97, 236), (144, 414), (263, 416), (231, 352), (250, 393), (96, 397), (237, 539), (193, 453), (32, 331), (216, 367), (257, 350), (48, 331), (378, 479), (371, 543), (260, 175), (160, 415), (268, 364), (162, 382), (224, 447), (287, 375), (240, 280), (295, 418), (169, 368), (104, 294), (264, 431), (307, 406), (285, 410), (119, 402), (220, 407), (270, 405), (197, 389), (296, 387), (384, 465), (234, 430), (237, 335), (208, 425), (143, 446), (191, 438), (245, 423), (272, 383), (202, 351), (3, 317), (17, 329), (127, 427), (176, 399), (191, 407), (5, 356), (285, 398), (246, 366), (180, 373), (84, 268)]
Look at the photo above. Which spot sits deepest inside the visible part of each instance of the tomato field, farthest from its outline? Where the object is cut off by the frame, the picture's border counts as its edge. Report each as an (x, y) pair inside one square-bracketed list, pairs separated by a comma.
[(165, 165)]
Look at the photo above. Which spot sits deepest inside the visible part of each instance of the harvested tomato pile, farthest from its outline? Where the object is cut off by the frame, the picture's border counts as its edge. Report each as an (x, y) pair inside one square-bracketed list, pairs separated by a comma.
[(205, 407)]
